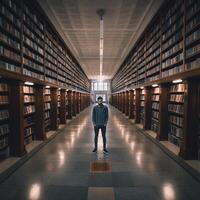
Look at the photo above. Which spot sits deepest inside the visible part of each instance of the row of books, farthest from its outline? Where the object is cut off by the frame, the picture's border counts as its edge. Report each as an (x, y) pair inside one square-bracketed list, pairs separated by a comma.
[(193, 64), (32, 55), (153, 48), (176, 108), (29, 109), (47, 98), (12, 5), (154, 125), (155, 97), (4, 129), (176, 120), (153, 78), (155, 114), (153, 70), (32, 74), (172, 61), (4, 114), (47, 91), (28, 121), (3, 87), (8, 27), (47, 115), (178, 132), (155, 105), (193, 37), (28, 89), (47, 106), (153, 63), (175, 70), (10, 16), (193, 23), (9, 41), (29, 99), (32, 36), (174, 140), (178, 87), (179, 98), (50, 73), (192, 51), (3, 143), (3, 99), (175, 38), (171, 11), (29, 14), (28, 132), (9, 54), (172, 29), (33, 45), (172, 50), (10, 67), (192, 10)]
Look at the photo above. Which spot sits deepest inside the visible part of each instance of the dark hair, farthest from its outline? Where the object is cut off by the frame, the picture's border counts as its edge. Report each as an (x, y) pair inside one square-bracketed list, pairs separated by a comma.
[(99, 98)]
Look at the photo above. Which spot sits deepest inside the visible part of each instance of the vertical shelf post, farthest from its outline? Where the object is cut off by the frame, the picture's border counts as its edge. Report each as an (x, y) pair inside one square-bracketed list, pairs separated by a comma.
[(189, 146), (69, 97), (54, 110), (17, 146), (63, 106), (147, 108), (131, 115), (40, 113), (137, 106), (163, 112)]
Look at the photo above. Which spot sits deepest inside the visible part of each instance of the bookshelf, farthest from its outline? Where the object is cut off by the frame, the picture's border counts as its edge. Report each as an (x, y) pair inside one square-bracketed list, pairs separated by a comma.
[(32, 49), (176, 113), (155, 98), (192, 38), (29, 113), (4, 116), (59, 106), (67, 105), (10, 44), (168, 50), (47, 106), (142, 99)]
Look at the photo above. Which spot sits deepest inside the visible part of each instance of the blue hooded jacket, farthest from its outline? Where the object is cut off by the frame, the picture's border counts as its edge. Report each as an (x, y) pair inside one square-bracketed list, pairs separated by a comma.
[(100, 115)]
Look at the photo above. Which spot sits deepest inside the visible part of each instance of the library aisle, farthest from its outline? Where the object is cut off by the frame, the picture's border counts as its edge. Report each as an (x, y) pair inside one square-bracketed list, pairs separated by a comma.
[(135, 168)]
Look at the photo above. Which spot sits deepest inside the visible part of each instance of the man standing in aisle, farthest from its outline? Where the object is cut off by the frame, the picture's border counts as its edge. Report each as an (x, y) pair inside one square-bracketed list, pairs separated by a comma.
[(100, 119)]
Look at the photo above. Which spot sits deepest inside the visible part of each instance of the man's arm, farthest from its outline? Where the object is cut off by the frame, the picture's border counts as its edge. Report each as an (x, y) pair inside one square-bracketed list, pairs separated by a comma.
[(94, 116), (106, 115)]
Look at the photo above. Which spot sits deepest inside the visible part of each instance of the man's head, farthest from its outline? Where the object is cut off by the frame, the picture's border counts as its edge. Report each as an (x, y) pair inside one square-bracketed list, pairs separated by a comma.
[(100, 100)]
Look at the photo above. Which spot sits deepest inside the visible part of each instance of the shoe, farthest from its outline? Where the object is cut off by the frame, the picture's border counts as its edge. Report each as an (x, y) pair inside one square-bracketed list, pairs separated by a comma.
[(105, 150), (95, 150)]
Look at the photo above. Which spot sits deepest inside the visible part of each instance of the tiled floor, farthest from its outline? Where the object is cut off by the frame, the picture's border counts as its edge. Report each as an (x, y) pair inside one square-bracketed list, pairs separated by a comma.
[(139, 169)]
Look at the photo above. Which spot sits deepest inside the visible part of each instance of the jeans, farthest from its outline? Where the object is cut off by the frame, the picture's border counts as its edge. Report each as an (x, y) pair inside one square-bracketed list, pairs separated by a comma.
[(103, 131)]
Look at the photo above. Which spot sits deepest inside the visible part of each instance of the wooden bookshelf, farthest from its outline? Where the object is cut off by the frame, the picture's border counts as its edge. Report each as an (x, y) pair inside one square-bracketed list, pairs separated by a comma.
[(47, 107), (29, 113), (168, 49), (176, 113), (32, 50), (4, 116), (155, 109)]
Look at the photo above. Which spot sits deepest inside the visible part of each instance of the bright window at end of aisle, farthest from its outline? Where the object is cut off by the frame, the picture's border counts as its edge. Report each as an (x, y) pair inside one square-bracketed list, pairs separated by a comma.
[(99, 86)]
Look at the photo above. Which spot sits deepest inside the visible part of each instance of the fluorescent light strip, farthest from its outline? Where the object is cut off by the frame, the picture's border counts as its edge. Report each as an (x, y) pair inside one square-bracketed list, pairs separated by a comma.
[(155, 85), (177, 81), (101, 49), (29, 83)]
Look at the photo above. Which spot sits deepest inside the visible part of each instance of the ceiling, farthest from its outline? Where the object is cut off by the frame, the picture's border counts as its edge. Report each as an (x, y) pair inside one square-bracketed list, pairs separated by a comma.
[(78, 23)]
